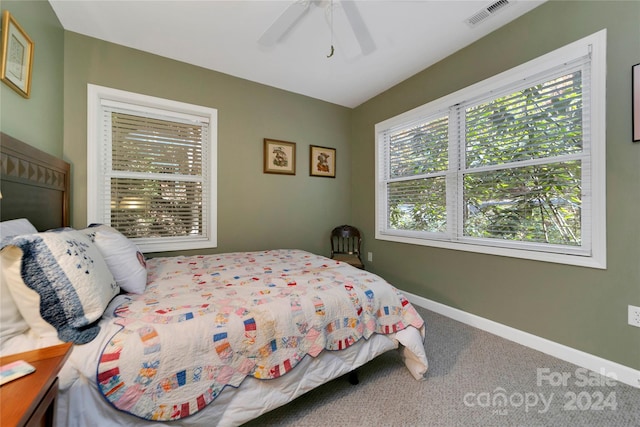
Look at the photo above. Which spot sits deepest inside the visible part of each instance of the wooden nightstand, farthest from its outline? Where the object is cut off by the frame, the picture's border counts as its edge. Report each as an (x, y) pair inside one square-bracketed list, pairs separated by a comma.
[(30, 400)]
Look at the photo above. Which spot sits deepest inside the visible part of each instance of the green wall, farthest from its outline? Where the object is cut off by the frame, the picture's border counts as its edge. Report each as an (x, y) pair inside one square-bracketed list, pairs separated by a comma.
[(255, 210), (38, 119), (579, 307)]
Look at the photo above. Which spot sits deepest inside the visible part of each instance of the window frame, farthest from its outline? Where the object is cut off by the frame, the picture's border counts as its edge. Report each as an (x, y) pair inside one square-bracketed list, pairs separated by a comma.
[(95, 212), (595, 45)]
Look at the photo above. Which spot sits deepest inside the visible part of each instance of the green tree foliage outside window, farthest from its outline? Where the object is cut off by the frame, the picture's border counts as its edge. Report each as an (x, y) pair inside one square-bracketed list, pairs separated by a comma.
[(519, 167)]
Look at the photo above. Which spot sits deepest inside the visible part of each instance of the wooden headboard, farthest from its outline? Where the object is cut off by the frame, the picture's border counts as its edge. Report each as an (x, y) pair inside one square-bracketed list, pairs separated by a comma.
[(34, 185)]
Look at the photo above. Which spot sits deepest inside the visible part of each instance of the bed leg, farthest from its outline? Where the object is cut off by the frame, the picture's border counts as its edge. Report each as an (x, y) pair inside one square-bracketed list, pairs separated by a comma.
[(353, 377)]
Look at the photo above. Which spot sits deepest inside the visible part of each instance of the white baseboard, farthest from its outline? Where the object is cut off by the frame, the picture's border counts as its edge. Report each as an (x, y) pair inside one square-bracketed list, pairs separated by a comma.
[(615, 370)]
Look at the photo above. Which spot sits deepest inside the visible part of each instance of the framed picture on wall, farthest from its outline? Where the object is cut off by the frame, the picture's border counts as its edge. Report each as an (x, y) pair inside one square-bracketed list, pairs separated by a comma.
[(17, 56), (279, 157), (322, 161), (635, 107)]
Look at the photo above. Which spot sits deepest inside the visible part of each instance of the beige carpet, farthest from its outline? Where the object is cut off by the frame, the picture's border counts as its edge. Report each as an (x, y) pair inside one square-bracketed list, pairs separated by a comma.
[(475, 379)]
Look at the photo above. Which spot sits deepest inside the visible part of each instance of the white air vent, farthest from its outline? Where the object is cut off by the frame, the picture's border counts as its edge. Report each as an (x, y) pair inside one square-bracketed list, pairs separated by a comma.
[(487, 12)]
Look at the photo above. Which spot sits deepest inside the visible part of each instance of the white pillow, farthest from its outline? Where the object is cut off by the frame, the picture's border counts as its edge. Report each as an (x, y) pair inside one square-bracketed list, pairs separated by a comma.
[(29, 307), (11, 321), (58, 279), (16, 227), (126, 262)]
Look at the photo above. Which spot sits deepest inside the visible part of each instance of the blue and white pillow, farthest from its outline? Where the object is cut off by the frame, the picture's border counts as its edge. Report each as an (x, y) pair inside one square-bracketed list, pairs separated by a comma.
[(59, 278)]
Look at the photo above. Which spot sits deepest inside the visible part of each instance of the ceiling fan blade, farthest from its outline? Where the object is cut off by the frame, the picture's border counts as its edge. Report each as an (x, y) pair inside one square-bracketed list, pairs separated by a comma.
[(284, 22), (359, 27)]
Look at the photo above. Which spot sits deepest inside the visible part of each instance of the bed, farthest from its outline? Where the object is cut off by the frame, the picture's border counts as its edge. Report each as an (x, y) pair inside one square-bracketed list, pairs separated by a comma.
[(204, 340)]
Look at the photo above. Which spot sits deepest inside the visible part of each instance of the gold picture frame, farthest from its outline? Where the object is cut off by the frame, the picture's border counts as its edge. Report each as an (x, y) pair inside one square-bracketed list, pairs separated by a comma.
[(322, 161), (635, 103), (17, 56), (279, 157)]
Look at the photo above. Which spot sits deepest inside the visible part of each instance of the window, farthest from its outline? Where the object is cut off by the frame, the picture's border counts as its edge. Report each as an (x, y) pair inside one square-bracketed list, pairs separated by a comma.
[(151, 169), (513, 165)]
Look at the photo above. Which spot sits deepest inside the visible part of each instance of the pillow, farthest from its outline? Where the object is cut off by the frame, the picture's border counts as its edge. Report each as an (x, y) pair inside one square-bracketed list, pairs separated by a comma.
[(122, 256), (11, 321), (58, 278), (16, 227)]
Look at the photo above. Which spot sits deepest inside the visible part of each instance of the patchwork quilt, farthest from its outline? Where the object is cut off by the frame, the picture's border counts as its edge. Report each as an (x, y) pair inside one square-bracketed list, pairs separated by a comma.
[(207, 322)]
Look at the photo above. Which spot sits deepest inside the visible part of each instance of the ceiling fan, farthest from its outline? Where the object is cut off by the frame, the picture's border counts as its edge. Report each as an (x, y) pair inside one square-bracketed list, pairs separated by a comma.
[(296, 10)]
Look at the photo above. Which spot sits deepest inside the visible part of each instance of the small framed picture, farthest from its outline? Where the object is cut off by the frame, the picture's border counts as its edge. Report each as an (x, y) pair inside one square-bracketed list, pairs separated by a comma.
[(635, 107), (279, 157), (17, 56), (322, 161)]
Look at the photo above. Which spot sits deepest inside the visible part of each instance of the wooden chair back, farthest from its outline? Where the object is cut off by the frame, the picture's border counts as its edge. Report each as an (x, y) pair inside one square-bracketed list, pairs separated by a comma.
[(345, 245)]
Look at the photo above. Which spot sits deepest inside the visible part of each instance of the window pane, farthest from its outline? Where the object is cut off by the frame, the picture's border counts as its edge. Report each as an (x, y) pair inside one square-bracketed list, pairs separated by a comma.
[(142, 144), (419, 149), (418, 204), (149, 208), (541, 121), (529, 204)]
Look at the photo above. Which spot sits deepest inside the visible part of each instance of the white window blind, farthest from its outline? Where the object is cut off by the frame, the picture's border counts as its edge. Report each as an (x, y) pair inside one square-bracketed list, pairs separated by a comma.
[(154, 179), (417, 166), (503, 167)]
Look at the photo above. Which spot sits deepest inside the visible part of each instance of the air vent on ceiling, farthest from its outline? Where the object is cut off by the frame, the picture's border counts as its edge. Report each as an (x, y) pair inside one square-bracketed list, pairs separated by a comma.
[(487, 12)]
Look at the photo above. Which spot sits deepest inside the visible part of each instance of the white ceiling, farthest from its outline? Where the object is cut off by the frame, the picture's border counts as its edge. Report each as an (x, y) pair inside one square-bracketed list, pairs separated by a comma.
[(223, 36)]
